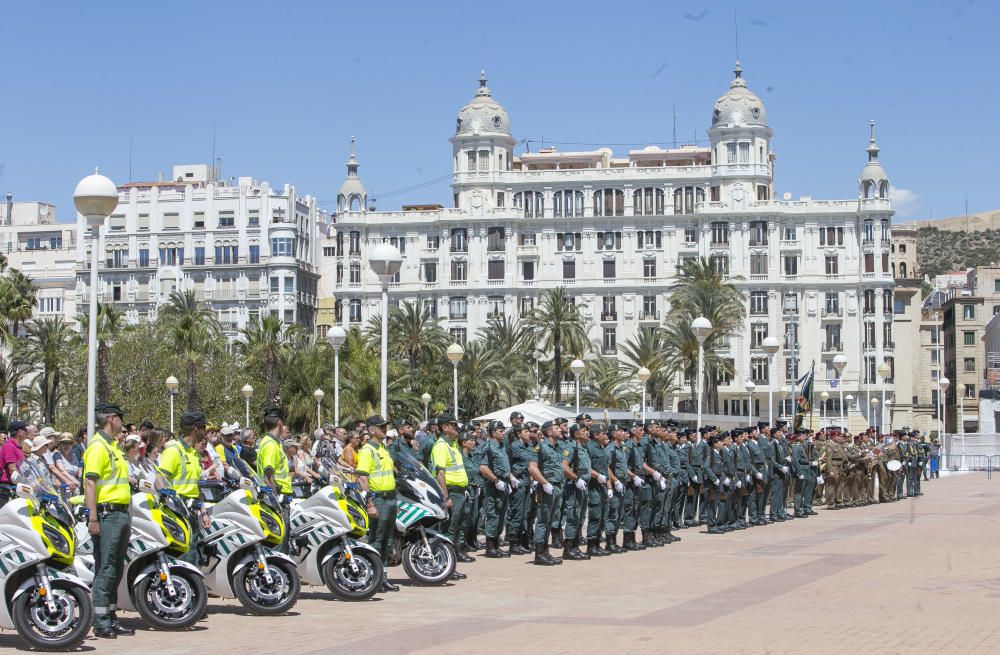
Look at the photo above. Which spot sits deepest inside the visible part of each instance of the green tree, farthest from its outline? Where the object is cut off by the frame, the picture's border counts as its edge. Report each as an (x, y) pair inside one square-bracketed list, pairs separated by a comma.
[(110, 323), (483, 380), (266, 341), (46, 343), (192, 330), (556, 324), (414, 335), (646, 348), (605, 384), (18, 298)]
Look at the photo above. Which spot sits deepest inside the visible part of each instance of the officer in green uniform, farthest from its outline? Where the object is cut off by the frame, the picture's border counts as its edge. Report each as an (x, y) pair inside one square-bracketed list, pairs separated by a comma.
[(659, 483), (378, 482), (107, 496), (564, 441), (633, 487), (650, 479), (743, 478), (576, 468), (520, 452), (180, 464), (682, 448), (472, 454), (449, 466), (715, 477), (728, 504), (599, 490), (272, 464), (672, 475), (498, 485), (547, 471), (618, 478)]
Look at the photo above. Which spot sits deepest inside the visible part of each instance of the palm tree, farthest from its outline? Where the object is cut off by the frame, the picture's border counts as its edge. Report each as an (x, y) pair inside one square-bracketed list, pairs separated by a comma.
[(110, 323), (557, 323), (265, 341), (487, 379), (18, 298), (607, 385), (46, 342), (414, 335), (192, 330), (646, 349)]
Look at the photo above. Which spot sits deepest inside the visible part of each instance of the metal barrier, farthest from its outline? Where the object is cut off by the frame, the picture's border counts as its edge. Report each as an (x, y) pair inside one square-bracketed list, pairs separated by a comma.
[(969, 462)]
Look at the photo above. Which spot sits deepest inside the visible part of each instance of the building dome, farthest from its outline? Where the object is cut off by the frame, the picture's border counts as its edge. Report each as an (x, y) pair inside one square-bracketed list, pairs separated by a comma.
[(483, 114), (352, 196), (874, 181), (739, 105)]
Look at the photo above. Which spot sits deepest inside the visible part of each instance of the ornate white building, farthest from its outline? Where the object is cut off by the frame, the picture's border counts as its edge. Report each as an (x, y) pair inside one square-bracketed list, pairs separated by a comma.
[(613, 229)]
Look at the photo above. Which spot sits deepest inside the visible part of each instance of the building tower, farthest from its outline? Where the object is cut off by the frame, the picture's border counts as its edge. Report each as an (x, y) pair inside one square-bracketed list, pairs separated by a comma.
[(352, 196), (873, 183)]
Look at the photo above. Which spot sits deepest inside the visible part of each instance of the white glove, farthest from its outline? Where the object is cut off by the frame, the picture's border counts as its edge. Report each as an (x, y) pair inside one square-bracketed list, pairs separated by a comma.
[(739, 484), (637, 481), (759, 475), (802, 477), (619, 487), (748, 478), (727, 482), (784, 469), (788, 458), (663, 485), (547, 488), (611, 493), (501, 486), (657, 476), (514, 484), (694, 478), (601, 479), (581, 484), (815, 463), (819, 480), (534, 486)]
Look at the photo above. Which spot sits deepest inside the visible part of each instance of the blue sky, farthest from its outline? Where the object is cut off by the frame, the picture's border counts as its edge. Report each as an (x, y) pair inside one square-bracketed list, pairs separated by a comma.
[(286, 86)]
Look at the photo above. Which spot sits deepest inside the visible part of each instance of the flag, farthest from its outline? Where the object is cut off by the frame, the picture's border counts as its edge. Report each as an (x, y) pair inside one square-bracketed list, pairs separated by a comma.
[(803, 403)]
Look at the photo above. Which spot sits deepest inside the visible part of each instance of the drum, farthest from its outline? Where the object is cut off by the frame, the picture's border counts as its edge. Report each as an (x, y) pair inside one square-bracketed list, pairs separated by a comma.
[(893, 465)]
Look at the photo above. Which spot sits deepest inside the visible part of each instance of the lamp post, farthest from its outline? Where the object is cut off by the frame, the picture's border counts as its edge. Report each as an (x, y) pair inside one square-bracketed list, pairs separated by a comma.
[(425, 398), (750, 386), (824, 396), (336, 336), (888, 409), (247, 392), (770, 345), (959, 397), (538, 355), (385, 260), (577, 367), (318, 395), (847, 412), (643, 374), (172, 385), (839, 362), (95, 198), (884, 371), (943, 383), (875, 414), (701, 327), (455, 354)]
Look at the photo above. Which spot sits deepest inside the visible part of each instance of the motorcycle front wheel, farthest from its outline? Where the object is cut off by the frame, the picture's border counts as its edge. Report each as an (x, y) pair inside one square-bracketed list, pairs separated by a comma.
[(429, 567), (262, 597), (60, 622), (164, 611), (358, 578)]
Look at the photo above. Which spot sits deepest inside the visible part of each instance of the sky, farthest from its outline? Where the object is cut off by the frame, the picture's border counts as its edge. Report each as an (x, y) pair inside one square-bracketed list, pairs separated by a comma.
[(280, 88)]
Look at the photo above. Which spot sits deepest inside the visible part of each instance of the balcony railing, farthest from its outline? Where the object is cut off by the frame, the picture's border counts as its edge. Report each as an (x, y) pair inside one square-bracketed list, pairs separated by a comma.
[(457, 283), (609, 316), (649, 316), (833, 347), (495, 283), (832, 312)]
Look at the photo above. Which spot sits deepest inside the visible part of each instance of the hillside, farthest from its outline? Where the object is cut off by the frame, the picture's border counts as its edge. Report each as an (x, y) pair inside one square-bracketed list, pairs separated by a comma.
[(939, 251)]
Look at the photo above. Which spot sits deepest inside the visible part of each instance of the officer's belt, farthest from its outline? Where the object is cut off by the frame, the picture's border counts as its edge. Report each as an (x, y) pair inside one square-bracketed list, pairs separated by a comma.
[(112, 507), (460, 490), (384, 494)]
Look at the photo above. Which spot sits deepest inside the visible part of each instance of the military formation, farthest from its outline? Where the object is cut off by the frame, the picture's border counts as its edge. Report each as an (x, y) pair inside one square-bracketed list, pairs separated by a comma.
[(592, 490)]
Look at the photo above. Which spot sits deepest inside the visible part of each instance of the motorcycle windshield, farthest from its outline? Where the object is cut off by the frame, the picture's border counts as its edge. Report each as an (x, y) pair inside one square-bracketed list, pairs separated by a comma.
[(37, 477), (334, 472), (410, 469)]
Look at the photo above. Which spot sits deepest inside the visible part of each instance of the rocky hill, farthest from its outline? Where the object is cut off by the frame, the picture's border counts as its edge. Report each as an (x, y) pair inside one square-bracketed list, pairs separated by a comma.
[(942, 250)]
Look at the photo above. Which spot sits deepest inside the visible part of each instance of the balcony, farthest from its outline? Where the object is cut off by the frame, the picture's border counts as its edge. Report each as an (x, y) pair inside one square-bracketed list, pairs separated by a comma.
[(832, 312), (719, 243), (527, 283), (649, 316), (758, 277), (429, 285), (456, 250), (568, 281), (758, 243), (457, 283), (527, 251), (609, 317), (610, 280), (495, 283), (609, 350), (833, 347)]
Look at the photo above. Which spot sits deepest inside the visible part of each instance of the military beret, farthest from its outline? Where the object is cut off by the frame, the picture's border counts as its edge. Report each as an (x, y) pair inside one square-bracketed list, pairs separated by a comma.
[(109, 408), (514, 415), (582, 417), (578, 427), (560, 421), (532, 425), (467, 436), (517, 429), (495, 425), (547, 424), (597, 428)]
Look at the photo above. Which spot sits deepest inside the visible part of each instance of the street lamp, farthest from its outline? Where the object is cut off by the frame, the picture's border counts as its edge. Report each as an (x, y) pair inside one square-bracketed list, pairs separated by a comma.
[(385, 260), (172, 385), (643, 375), (888, 408), (455, 354), (959, 397), (425, 398), (771, 345), (336, 336), (701, 327), (875, 415), (750, 386), (839, 362), (577, 367), (247, 392), (318, 395), (884, 371), (95, 197), (825, 396), (847, 412), (944, 383)]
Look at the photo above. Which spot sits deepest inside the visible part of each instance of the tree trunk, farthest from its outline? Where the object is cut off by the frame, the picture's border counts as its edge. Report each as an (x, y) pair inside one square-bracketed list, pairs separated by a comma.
[(53, 398), (102, 372), (557, 366), (192, 374), (271, 365)]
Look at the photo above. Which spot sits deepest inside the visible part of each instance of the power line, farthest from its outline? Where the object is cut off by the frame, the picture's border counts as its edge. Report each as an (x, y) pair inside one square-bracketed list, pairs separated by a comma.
[(397, 192)]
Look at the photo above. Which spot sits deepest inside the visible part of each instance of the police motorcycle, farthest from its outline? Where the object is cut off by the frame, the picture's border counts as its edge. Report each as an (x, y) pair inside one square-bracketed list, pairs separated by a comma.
[(326, 520), (40, 595), (428, 557), (239, 549), (167, 592)]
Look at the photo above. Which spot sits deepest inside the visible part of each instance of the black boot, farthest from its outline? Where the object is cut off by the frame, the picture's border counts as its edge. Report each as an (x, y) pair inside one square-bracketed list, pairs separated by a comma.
[(542, 556), (630, 543), (612, 543), (570, 554), (557, 540), (492, 551), (464, 557), (576, 548), (648, 541), (386, 585), (517, 547), (594, 548)]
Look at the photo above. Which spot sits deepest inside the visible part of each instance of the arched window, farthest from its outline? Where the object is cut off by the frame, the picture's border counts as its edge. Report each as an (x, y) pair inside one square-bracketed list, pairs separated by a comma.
[(868, 189), (341, 202), (355, 203), (532, 203), (883, 189), (902, 269), (567, 204), (609, 202), (685, 199), (647, 201)]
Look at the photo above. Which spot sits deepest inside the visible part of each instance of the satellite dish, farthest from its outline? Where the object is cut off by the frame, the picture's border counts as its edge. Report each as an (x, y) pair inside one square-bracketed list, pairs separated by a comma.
[(786, 196)]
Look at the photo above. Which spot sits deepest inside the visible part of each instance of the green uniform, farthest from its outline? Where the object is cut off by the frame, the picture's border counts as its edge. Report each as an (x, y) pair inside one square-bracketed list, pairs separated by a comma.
[(617, 464), (104, 462), (472, 460), (660, 461), (597, 491), (549, 460), (495, 459), (633, 486), (520, 498), (576, 499)]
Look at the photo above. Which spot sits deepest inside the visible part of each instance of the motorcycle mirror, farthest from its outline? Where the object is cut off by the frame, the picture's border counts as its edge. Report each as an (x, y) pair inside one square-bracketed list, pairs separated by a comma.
[(245, 483), (23, 491)]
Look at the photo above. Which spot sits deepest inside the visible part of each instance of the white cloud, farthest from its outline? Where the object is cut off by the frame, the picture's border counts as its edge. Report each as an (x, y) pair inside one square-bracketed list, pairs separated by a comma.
[(906, 203)]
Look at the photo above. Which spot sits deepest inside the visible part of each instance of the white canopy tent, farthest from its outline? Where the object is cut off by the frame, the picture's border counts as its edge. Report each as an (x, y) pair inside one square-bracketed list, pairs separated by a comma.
[(533, 410)]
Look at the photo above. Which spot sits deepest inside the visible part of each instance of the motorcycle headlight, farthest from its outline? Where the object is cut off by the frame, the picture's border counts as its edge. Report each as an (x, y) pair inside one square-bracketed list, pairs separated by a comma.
[(270, 523), (174, 530), (56, 540)]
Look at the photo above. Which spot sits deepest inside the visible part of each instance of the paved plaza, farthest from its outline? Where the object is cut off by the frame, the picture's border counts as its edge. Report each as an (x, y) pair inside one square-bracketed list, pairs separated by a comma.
[(917, 576)]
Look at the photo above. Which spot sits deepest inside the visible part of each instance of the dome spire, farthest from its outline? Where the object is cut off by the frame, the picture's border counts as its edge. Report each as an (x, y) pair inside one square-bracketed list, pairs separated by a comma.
[(483, 90), (352, 196), (872, 149), (738, 80), (352, 162)]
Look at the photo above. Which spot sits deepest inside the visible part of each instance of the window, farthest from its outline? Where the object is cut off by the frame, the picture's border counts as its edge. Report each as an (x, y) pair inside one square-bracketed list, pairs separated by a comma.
[(199, 255), (329, 251), (609, 202), (609, 240), (758, 264), (720, 234), (791, 303), (788, 233), (143, 223), (430, 272), (758, 370), (173, 256), (758, 233), (829, 236), (50, 305), (501, 198), (355, 273), (471, 160), (354, 310), (289, 285), (495, 306), (648, 201), (527, 270), (433, 241), (831, 305), (275, 284), (459, 241), (355, 243), (609, 269), (730, 153), (282, 247), (758, 302), (227, 219), (758, 332), (432, 309), (690, 234), (495, 269), (610, 341), (832, 337), (459, 270), (970, 364), (934, 356), (226, 254), (569, 241), (567, 204), (526, 239), (686, 197), (254, 254), (649, 239), (340, 273), (869, 334), (968, 312), (649, 306), (495, 241), (968, 338), (569, 269), (970, 391), (526, 305), (868, 306), (198, 221), (609, 310), (720, 264), (458, 308), (253, 218), (117, 259), (484, 160), (868, 232), (532, 203), (399, 243), (832, 265), (649, 268), (458, 334), (116, 292), (996, 285)]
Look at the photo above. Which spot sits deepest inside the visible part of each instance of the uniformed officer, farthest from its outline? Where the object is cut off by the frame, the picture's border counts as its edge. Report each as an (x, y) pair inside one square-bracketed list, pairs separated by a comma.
[(800, 471), (766, 444), (472, 453), (715, 485), (682, 447), (378, 483), (727, 509), (107, 496), (272, 463), (782, 476), (757, 472), (659, 484), (449, 466), (576, 469), (599, 489), (499, 483), (695, 513), (563, 441), (743, 478), (521, 452), (618, 477), (180, 464), (633, 489), (546, 469)]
